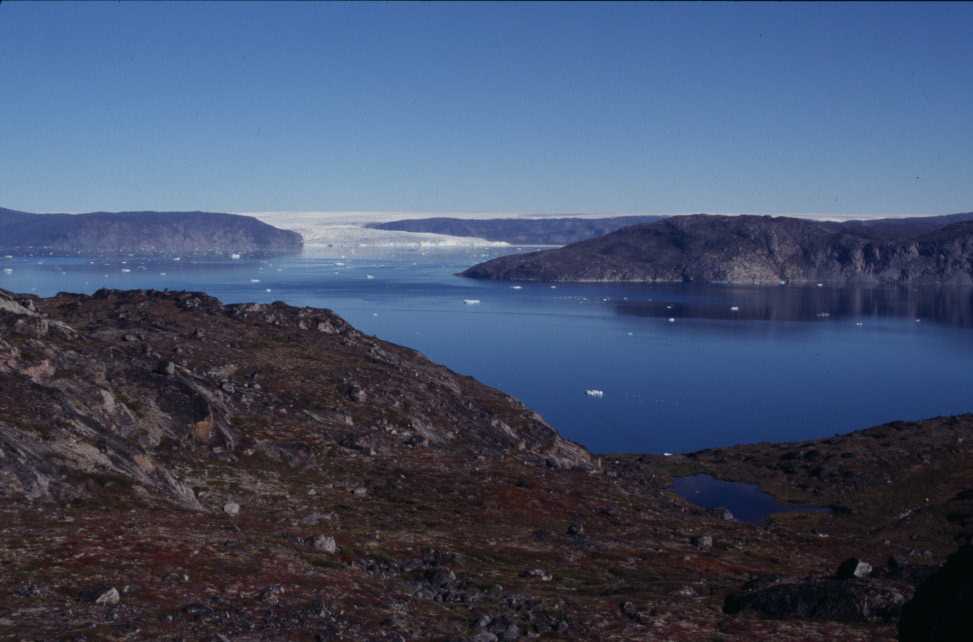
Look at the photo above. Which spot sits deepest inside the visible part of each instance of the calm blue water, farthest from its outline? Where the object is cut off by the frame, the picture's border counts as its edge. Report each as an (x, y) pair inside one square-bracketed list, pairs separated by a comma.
[(775, 369), (746, 501)]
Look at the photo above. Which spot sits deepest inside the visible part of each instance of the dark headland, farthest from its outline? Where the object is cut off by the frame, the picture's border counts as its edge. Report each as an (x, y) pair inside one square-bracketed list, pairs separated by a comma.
[(147, 233), (757, 250), (174, 468), (518, 231)]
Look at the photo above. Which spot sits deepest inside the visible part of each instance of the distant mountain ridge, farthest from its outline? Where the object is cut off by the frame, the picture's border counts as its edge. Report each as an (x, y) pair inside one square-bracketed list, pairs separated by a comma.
[(906, 227), (757, 250), (142, 233), (518, 231)]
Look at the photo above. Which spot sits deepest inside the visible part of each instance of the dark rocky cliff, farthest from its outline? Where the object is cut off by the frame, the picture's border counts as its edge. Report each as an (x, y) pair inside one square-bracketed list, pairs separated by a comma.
[(754, 249), (142, 233), (519, 231)]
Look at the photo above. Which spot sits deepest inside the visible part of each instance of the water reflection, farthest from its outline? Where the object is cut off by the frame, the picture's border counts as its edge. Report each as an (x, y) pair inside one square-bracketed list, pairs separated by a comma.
[(947, 305)]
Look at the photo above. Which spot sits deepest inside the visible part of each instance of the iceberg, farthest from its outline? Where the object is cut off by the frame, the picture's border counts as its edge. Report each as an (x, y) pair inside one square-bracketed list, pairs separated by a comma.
[(595, 393)]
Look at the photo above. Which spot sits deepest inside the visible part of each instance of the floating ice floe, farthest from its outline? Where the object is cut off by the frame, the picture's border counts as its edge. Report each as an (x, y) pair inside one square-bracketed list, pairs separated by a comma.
[(235, 257), (516, 287), (594, 392), (823, 315), (255, 280), (672, 320), (734, 308), (177, 258), (269, 290), (126, 270), (8, 270), (820, 285), (369, 277), (667, 454), (553, 287), (162, 274), (471, 301), (859, 324), (8, 256)]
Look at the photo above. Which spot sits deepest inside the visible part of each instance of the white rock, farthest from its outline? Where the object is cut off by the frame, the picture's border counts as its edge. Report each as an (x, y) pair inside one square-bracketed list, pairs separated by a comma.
[(111, 596), (231, 508), (325, 544)]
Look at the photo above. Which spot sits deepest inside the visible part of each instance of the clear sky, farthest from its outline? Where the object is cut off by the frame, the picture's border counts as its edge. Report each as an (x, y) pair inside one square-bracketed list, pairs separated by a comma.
[(548, 107)]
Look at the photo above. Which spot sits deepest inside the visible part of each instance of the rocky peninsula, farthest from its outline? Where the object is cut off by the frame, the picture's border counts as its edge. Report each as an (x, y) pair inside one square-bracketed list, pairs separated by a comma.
[(757, 250)]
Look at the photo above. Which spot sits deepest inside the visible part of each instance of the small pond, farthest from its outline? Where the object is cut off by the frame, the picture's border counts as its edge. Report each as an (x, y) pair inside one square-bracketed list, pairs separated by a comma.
[(746, 501)]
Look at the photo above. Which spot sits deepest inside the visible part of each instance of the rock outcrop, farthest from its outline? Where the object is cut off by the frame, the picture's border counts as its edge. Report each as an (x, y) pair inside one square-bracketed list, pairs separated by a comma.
[(942, 609), (131, 385)]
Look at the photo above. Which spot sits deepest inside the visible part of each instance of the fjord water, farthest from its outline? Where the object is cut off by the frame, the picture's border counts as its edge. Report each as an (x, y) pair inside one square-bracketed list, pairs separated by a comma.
[(735, 364)]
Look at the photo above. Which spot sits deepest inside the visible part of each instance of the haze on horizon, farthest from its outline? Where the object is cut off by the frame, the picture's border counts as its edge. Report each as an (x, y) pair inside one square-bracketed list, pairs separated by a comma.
[(832, 110)]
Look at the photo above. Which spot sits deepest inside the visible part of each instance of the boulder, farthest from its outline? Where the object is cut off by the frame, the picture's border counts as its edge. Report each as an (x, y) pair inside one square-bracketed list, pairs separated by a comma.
[(852, 568), (821, 599), (942, 609)]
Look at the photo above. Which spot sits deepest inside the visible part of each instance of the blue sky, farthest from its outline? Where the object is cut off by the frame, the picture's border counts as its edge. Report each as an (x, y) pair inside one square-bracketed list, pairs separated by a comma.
[(843, 108)]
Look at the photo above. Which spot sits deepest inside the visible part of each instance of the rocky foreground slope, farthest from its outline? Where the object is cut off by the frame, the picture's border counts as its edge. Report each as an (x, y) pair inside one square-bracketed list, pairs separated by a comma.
[(757, 250), (173, 468), (142, 233)]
